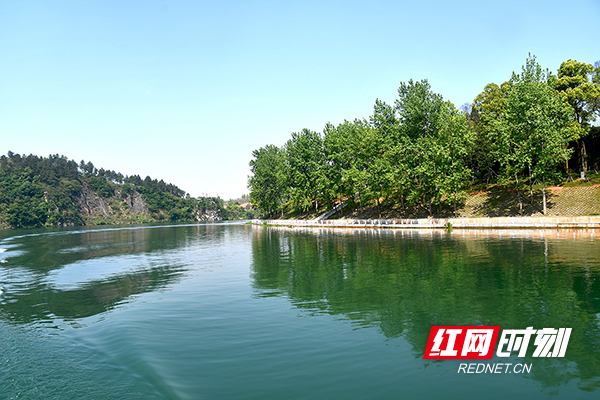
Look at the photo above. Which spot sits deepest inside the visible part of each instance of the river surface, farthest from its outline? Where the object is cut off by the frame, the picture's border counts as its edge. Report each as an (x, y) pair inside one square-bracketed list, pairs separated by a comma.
[(234, 311)]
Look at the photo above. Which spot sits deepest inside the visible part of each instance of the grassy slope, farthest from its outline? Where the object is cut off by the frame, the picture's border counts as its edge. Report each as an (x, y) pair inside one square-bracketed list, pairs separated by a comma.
[(569, 198)]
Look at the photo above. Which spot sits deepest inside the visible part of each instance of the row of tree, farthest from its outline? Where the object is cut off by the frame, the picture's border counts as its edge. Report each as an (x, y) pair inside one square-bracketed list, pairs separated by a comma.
[(423, 150)]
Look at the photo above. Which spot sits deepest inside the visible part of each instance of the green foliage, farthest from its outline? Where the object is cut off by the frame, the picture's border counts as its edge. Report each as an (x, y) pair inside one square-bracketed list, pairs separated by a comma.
[(268, 185), (423, 151), (488, 107), (305, 160), (578, 85), (532, 134), (36, 192), (236, 212), (126, 190), (436, 140), (413, 151), (575, 84), (100, 186)]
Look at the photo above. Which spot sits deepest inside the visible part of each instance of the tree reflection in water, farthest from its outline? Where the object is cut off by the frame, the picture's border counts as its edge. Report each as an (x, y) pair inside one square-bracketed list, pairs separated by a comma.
[(405, 281)]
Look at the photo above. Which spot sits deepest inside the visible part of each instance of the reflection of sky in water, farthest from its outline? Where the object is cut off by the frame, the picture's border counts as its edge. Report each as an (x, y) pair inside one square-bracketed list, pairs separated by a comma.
[(77, 274), (81, 249), (7, 252), (91, 271)]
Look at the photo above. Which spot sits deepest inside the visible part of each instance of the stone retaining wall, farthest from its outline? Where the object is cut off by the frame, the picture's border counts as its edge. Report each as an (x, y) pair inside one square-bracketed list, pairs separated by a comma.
[(496, 222)]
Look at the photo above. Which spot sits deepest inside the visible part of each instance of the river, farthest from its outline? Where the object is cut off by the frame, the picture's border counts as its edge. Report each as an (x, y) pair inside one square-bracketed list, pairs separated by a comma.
[(235, 311)]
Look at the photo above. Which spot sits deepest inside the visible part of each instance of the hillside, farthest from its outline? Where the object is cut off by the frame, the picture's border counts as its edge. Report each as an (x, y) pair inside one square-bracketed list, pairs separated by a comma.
[(55, 191)]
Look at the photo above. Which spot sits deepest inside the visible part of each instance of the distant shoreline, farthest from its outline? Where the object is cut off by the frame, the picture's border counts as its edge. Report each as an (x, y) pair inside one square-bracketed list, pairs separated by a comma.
[(559, 222)]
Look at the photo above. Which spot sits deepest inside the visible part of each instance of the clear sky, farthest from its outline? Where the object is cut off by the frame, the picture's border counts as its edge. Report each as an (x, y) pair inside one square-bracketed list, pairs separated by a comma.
[(185, 90)]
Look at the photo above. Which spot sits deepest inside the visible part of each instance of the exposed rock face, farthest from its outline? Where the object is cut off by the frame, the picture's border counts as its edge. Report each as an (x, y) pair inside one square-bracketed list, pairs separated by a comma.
[(91, 203), (208, 215), (136, 203), (208, 211), (121, 208)]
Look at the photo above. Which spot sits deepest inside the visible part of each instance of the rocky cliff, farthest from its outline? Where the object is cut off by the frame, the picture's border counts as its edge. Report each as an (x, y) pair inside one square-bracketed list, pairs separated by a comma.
[(208, 211), (130, 207)]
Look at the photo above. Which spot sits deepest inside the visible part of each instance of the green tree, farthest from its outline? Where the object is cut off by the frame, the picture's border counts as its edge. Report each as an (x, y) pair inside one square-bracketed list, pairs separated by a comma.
[(576, 85), (488, 107), (357, 161), (435, 140), (456, 142), (369, 168), (268, 183), (338, 153), (419, 111), (536, 124), (392, 167), (306, 159)]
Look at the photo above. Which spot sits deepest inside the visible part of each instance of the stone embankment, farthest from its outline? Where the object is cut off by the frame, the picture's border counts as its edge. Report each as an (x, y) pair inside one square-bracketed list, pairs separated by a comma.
[(470, 223)]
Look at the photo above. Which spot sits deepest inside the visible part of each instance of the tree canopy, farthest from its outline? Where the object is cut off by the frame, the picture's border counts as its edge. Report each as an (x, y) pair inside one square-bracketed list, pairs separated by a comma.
[(423, 151)]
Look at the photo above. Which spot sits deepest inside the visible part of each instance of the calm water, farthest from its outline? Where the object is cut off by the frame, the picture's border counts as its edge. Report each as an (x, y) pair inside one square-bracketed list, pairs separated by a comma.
[(232, 311)]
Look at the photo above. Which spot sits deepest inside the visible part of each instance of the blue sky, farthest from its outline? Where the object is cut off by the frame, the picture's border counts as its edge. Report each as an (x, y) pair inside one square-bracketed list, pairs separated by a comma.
[(185, 90)]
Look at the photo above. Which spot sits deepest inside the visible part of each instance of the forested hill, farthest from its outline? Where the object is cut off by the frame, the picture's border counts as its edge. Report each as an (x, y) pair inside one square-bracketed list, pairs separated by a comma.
[(55, 191)]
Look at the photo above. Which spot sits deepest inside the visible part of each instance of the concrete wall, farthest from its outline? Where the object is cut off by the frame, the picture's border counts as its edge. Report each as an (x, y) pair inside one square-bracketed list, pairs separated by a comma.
[(497, 222)]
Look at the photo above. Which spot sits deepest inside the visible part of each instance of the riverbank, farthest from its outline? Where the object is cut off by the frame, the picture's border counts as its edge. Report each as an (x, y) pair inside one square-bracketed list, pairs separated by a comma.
[(445, 223)]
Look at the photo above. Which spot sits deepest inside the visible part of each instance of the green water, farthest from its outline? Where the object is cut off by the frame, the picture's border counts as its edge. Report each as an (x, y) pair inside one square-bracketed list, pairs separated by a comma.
[(233, 311)]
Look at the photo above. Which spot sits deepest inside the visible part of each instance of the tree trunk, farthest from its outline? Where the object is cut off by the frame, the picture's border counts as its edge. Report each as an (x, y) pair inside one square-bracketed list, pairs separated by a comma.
[(455, 204), (430, 212), (518, 194), (403, 209), (544, 192), (582, 155), (530, 186), (360, 204)]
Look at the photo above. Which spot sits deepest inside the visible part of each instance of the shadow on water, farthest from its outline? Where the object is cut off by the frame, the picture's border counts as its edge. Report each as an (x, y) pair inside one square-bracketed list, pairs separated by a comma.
[(405, 282), (68, 275)]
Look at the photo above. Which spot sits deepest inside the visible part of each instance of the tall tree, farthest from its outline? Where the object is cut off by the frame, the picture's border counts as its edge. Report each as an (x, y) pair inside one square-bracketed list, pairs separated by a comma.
[(340, 144), (576, 85), (435, 138), (268, 183), (419, 109), (456, 141), (305, 157), (335, 151), (370, 166), (488, 107), (536, 124)]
